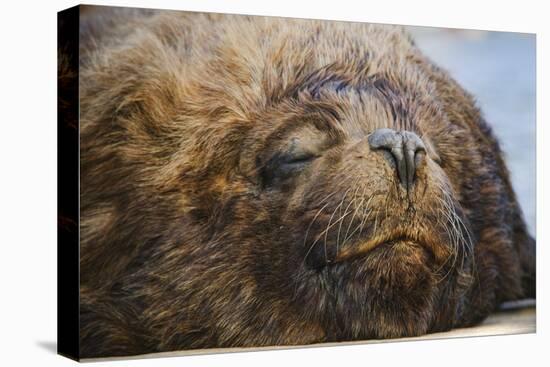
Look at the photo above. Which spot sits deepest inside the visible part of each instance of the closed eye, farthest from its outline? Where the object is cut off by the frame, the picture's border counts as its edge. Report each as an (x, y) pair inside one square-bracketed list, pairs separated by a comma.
[(296, 160), (282, 167)]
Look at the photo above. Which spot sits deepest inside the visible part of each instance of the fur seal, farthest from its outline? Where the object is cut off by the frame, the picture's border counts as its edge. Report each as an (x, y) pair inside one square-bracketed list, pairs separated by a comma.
[(252, 181)]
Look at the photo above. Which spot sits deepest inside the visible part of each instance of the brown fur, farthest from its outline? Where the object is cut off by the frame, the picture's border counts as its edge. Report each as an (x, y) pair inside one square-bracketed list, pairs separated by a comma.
[(192, 238)]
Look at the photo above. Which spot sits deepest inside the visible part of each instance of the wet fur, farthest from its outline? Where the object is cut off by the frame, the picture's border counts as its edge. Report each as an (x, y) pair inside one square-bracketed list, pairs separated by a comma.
[(186, 240)]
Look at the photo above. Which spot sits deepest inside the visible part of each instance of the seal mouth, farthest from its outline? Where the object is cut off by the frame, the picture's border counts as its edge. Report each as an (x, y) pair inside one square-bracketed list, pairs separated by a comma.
[(395, 236), (363, 248)]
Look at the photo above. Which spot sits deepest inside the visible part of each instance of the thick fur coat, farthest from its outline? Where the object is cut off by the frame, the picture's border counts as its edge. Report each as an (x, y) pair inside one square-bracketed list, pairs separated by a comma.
[(230, 197)]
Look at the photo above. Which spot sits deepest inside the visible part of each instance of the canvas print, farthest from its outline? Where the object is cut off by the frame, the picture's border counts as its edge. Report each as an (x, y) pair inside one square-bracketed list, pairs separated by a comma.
[(247, 181)]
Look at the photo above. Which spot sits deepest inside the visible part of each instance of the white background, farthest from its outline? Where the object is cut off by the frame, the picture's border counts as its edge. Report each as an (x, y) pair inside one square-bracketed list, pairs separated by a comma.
[(28, 182)]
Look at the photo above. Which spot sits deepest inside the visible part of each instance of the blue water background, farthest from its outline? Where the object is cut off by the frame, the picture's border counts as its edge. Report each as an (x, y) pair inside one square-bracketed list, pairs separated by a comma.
[(498, 68)]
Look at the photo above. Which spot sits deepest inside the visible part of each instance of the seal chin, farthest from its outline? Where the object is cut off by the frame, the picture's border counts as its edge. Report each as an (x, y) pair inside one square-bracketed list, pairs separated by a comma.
[(382, 290)]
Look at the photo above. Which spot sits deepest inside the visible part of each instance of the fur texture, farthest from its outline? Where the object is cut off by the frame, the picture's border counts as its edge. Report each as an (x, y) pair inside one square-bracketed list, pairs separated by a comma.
[(199, 231)]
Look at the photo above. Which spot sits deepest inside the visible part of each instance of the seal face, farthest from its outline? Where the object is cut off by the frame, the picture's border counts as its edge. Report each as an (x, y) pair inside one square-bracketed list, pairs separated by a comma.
[(250, 181)]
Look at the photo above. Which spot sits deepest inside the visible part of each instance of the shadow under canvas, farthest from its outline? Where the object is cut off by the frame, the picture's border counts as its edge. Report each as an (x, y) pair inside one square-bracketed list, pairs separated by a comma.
[(48, 345)]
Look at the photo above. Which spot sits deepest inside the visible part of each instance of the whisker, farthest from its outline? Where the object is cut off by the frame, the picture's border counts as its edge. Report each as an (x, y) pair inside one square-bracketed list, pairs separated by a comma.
[(320, 235), (366, 214), (460, 237), (340, 227), (353, 217), (332, 216)]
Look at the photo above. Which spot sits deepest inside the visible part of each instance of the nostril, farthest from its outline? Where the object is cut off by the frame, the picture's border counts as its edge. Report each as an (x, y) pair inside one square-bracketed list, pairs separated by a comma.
[(407, 150), (419, 156)]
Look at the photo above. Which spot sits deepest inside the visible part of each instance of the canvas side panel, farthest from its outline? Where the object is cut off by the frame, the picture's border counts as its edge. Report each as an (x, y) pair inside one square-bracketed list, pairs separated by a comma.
[(68, 184)]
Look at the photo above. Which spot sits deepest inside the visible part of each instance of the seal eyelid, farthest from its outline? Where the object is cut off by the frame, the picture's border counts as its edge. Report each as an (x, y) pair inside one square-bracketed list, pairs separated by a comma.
[(298, 158), (292, 155), (288, 163), (282, 167)]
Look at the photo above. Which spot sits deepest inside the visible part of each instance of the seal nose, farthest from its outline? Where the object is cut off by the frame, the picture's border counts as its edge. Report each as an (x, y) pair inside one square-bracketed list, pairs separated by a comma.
[(407, 149)]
